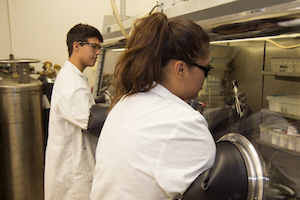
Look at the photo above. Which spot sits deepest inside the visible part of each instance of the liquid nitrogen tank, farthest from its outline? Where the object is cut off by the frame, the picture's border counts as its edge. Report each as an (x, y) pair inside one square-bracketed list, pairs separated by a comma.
[(21, 133)]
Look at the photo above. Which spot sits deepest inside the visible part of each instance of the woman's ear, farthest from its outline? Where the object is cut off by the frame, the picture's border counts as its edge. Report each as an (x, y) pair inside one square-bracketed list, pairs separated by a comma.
[(180, 69)]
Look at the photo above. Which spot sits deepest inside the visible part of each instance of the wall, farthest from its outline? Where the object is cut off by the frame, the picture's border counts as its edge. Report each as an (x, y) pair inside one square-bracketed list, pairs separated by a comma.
[(39, 27), (247, 60)]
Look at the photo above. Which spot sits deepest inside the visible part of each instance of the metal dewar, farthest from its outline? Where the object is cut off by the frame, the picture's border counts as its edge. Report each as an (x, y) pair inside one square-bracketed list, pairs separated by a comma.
[(21, 135)]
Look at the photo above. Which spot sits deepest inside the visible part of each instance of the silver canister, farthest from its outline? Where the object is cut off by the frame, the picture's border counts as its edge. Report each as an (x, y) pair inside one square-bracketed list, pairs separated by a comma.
[(21, 136)]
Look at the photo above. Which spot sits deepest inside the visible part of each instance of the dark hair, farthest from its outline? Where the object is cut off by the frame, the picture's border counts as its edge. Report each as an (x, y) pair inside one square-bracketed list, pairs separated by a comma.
[(154, 41), (81, 32)]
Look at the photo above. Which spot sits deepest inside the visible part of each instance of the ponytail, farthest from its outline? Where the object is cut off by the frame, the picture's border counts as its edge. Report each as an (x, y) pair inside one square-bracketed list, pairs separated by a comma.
[(153, 42), (140, 64)]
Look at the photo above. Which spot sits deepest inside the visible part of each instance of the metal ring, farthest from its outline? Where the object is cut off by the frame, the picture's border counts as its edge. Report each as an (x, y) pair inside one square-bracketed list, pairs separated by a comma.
[(19, 60), (254, 163)]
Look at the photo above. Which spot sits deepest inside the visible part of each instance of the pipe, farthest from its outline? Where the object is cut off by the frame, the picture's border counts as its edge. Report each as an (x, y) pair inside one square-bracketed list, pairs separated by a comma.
[(10, 29), (118, 18), (123, 9)]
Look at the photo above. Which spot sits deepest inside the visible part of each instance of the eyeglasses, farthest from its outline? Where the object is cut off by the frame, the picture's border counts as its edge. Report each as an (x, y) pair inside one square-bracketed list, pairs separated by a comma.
[(205, 69), (95, 46)]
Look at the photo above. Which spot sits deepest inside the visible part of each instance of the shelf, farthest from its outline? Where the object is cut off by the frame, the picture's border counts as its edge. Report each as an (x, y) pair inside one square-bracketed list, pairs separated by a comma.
[(296, 153), (286, 76), (285, 115), (271, 73)]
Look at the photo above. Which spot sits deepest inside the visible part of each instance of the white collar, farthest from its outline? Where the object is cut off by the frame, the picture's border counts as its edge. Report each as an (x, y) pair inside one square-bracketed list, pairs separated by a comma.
[(164, 92), (73, 68)]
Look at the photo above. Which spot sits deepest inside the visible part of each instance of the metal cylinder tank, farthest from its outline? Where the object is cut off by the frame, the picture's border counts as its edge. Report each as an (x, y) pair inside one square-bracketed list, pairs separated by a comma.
[(21, 139)]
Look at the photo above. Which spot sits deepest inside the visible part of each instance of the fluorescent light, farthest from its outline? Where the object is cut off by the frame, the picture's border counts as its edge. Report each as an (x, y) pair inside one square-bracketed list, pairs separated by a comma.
[(120, 49)]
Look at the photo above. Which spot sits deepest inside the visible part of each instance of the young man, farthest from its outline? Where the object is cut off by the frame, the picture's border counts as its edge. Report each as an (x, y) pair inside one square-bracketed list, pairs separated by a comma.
[(70, 153)]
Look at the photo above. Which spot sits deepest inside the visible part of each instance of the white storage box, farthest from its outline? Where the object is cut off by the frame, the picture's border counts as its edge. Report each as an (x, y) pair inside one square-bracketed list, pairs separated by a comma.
[(211, 85), (289, 104), (285, 64), (279, 138), (218, 51), (213, 80), (219, 63), (210, 90)]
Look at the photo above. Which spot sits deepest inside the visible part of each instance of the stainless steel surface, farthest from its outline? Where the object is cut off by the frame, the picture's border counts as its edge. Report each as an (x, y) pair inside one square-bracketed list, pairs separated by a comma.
[(246, 60), (22, 65), (250, 61), (11, 85), (257, 180), (21, 140)]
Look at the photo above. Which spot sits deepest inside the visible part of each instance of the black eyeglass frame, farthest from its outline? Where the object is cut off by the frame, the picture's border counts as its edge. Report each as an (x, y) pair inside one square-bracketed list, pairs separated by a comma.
[(95, 46), (205, 69)]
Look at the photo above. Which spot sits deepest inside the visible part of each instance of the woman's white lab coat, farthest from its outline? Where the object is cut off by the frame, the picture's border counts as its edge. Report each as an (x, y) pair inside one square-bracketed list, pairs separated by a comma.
[(153, 146), (70, 153)]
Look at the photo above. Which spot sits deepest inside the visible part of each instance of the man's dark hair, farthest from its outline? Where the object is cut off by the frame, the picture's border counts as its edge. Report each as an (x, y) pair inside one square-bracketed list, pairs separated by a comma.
[(81, 32)]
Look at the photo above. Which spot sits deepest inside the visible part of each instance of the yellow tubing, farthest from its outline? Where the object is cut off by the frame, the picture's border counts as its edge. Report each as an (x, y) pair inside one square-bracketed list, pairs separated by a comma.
[(118, 18)]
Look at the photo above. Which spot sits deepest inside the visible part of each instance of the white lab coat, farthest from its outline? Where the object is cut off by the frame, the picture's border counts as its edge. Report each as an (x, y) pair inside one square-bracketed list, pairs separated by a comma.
[(153, 146), (70, 153)]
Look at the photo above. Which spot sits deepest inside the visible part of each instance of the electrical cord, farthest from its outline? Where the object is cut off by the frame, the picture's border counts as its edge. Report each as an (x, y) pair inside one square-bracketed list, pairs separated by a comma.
[(267, 164), (158, 5), (280, 46)]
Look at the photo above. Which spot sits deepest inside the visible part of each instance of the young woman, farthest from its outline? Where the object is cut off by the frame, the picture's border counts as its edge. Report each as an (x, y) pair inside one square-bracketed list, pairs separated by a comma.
[(153, 144)]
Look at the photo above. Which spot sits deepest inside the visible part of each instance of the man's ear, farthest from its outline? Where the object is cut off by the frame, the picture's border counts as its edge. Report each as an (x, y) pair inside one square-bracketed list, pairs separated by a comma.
[(75, 46), (180, 68)]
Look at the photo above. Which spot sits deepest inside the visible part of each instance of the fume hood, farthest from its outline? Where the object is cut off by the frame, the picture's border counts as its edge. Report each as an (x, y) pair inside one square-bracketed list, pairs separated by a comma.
[(258, 41)]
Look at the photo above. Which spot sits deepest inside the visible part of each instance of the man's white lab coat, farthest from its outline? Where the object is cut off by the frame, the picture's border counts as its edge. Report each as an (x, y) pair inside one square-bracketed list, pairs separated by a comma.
[(153, 146), (70, 153)]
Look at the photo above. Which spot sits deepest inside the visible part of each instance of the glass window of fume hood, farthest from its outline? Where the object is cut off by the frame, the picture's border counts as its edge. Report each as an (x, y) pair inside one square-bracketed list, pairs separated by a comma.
[(267, 79), (105, 69)]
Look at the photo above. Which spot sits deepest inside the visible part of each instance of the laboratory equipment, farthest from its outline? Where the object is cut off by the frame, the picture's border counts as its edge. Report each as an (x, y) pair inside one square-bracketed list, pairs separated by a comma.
[(21, 133), (238, 173)]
